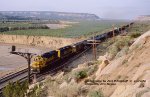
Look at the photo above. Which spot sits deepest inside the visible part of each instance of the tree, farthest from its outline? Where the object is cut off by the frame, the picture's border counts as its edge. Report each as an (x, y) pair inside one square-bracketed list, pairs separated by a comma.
[(17, 89)]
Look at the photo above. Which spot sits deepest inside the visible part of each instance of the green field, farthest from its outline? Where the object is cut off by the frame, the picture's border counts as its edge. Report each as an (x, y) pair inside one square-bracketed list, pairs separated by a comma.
[(16, 24), (81, 29)]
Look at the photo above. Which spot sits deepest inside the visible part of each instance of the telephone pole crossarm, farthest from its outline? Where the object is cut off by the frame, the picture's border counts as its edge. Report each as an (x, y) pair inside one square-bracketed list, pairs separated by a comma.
[(28, 57), (94, 43), (25, 55)]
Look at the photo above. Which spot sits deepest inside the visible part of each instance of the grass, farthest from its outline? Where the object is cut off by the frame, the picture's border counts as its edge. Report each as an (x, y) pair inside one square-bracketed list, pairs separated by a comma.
[(135, 34), (139, 27), (81, 29), (16, 24), (95, 94), (121, 43), (79, 74), (68, 90)]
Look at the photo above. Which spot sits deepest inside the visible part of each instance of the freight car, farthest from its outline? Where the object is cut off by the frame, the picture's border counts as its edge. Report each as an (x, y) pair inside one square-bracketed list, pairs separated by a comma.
[(79, 47), (47, 59)]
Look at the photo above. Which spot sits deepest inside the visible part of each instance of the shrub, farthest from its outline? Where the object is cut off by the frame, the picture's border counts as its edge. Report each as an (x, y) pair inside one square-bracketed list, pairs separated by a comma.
[(113, 51), (4, 29), (92, 70), (83, 91), (119, 76), (135, 35), (80, 75), (69, 91), (16, 89), (95, 94), (37, 91), (123, 51), (124, 61), (54, 89), (120, 43)]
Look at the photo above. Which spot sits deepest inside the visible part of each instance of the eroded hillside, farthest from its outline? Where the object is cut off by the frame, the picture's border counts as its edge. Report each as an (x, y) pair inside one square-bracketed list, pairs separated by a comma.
[(134, 66), (43, 41), (122, 71), (127, 74)]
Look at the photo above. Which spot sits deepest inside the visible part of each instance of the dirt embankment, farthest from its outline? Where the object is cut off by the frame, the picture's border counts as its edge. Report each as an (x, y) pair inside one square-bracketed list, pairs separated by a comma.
[(127, 75), (43, 41), (134, 67)]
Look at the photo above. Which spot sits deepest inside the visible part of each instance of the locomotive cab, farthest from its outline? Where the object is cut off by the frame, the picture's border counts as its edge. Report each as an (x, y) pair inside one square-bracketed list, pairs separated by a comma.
[(37, 64)]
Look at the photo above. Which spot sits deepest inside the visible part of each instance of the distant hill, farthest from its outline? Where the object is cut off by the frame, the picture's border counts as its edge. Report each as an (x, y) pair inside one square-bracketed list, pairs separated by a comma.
[(143, 18), (27, 15)]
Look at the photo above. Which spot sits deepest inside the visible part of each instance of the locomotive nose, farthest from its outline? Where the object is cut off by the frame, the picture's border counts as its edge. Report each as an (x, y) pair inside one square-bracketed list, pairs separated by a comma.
[(35, 67)]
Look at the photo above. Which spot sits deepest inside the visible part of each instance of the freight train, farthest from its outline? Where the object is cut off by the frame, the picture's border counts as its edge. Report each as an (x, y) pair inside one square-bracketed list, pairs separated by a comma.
[(47, 59)]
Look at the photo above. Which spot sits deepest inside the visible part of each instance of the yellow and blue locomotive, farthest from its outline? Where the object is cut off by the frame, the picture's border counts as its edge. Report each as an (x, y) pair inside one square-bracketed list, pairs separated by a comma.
[(42, 61)]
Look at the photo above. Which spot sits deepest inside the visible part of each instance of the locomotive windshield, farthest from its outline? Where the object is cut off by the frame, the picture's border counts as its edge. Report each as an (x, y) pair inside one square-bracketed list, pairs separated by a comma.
[(49, 54), (38, 58)]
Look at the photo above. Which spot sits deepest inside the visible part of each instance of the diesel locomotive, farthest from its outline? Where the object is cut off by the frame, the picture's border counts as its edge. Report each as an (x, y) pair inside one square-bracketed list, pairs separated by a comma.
[(42, 61)]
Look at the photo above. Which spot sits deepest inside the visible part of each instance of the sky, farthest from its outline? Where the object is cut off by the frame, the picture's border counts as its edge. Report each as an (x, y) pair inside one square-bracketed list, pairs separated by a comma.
[(111, 9)]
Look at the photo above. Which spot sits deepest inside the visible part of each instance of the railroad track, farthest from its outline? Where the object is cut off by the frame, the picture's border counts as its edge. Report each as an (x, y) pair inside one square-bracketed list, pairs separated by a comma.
[(11, 76), (62, 65), (20, 75), (23, 74)]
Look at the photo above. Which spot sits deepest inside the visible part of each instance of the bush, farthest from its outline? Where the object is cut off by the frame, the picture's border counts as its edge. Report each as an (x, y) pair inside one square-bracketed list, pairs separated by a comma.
[(4, 29), (81, 75), (92, 70), (54, 89), (16, 89), (95, 94), (69, 91), (122, 52), (120, 43), (113, 51), (37, 91), (135, 35)]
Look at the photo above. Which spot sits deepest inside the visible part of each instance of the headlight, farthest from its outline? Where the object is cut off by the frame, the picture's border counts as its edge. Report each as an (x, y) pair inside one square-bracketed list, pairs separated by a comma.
[(35, 70)]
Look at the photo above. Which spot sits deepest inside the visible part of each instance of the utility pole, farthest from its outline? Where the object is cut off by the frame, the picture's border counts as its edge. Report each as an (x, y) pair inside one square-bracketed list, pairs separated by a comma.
[(113, 30), (94, 43), (121, 30), (27, 56), (94, 48)]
